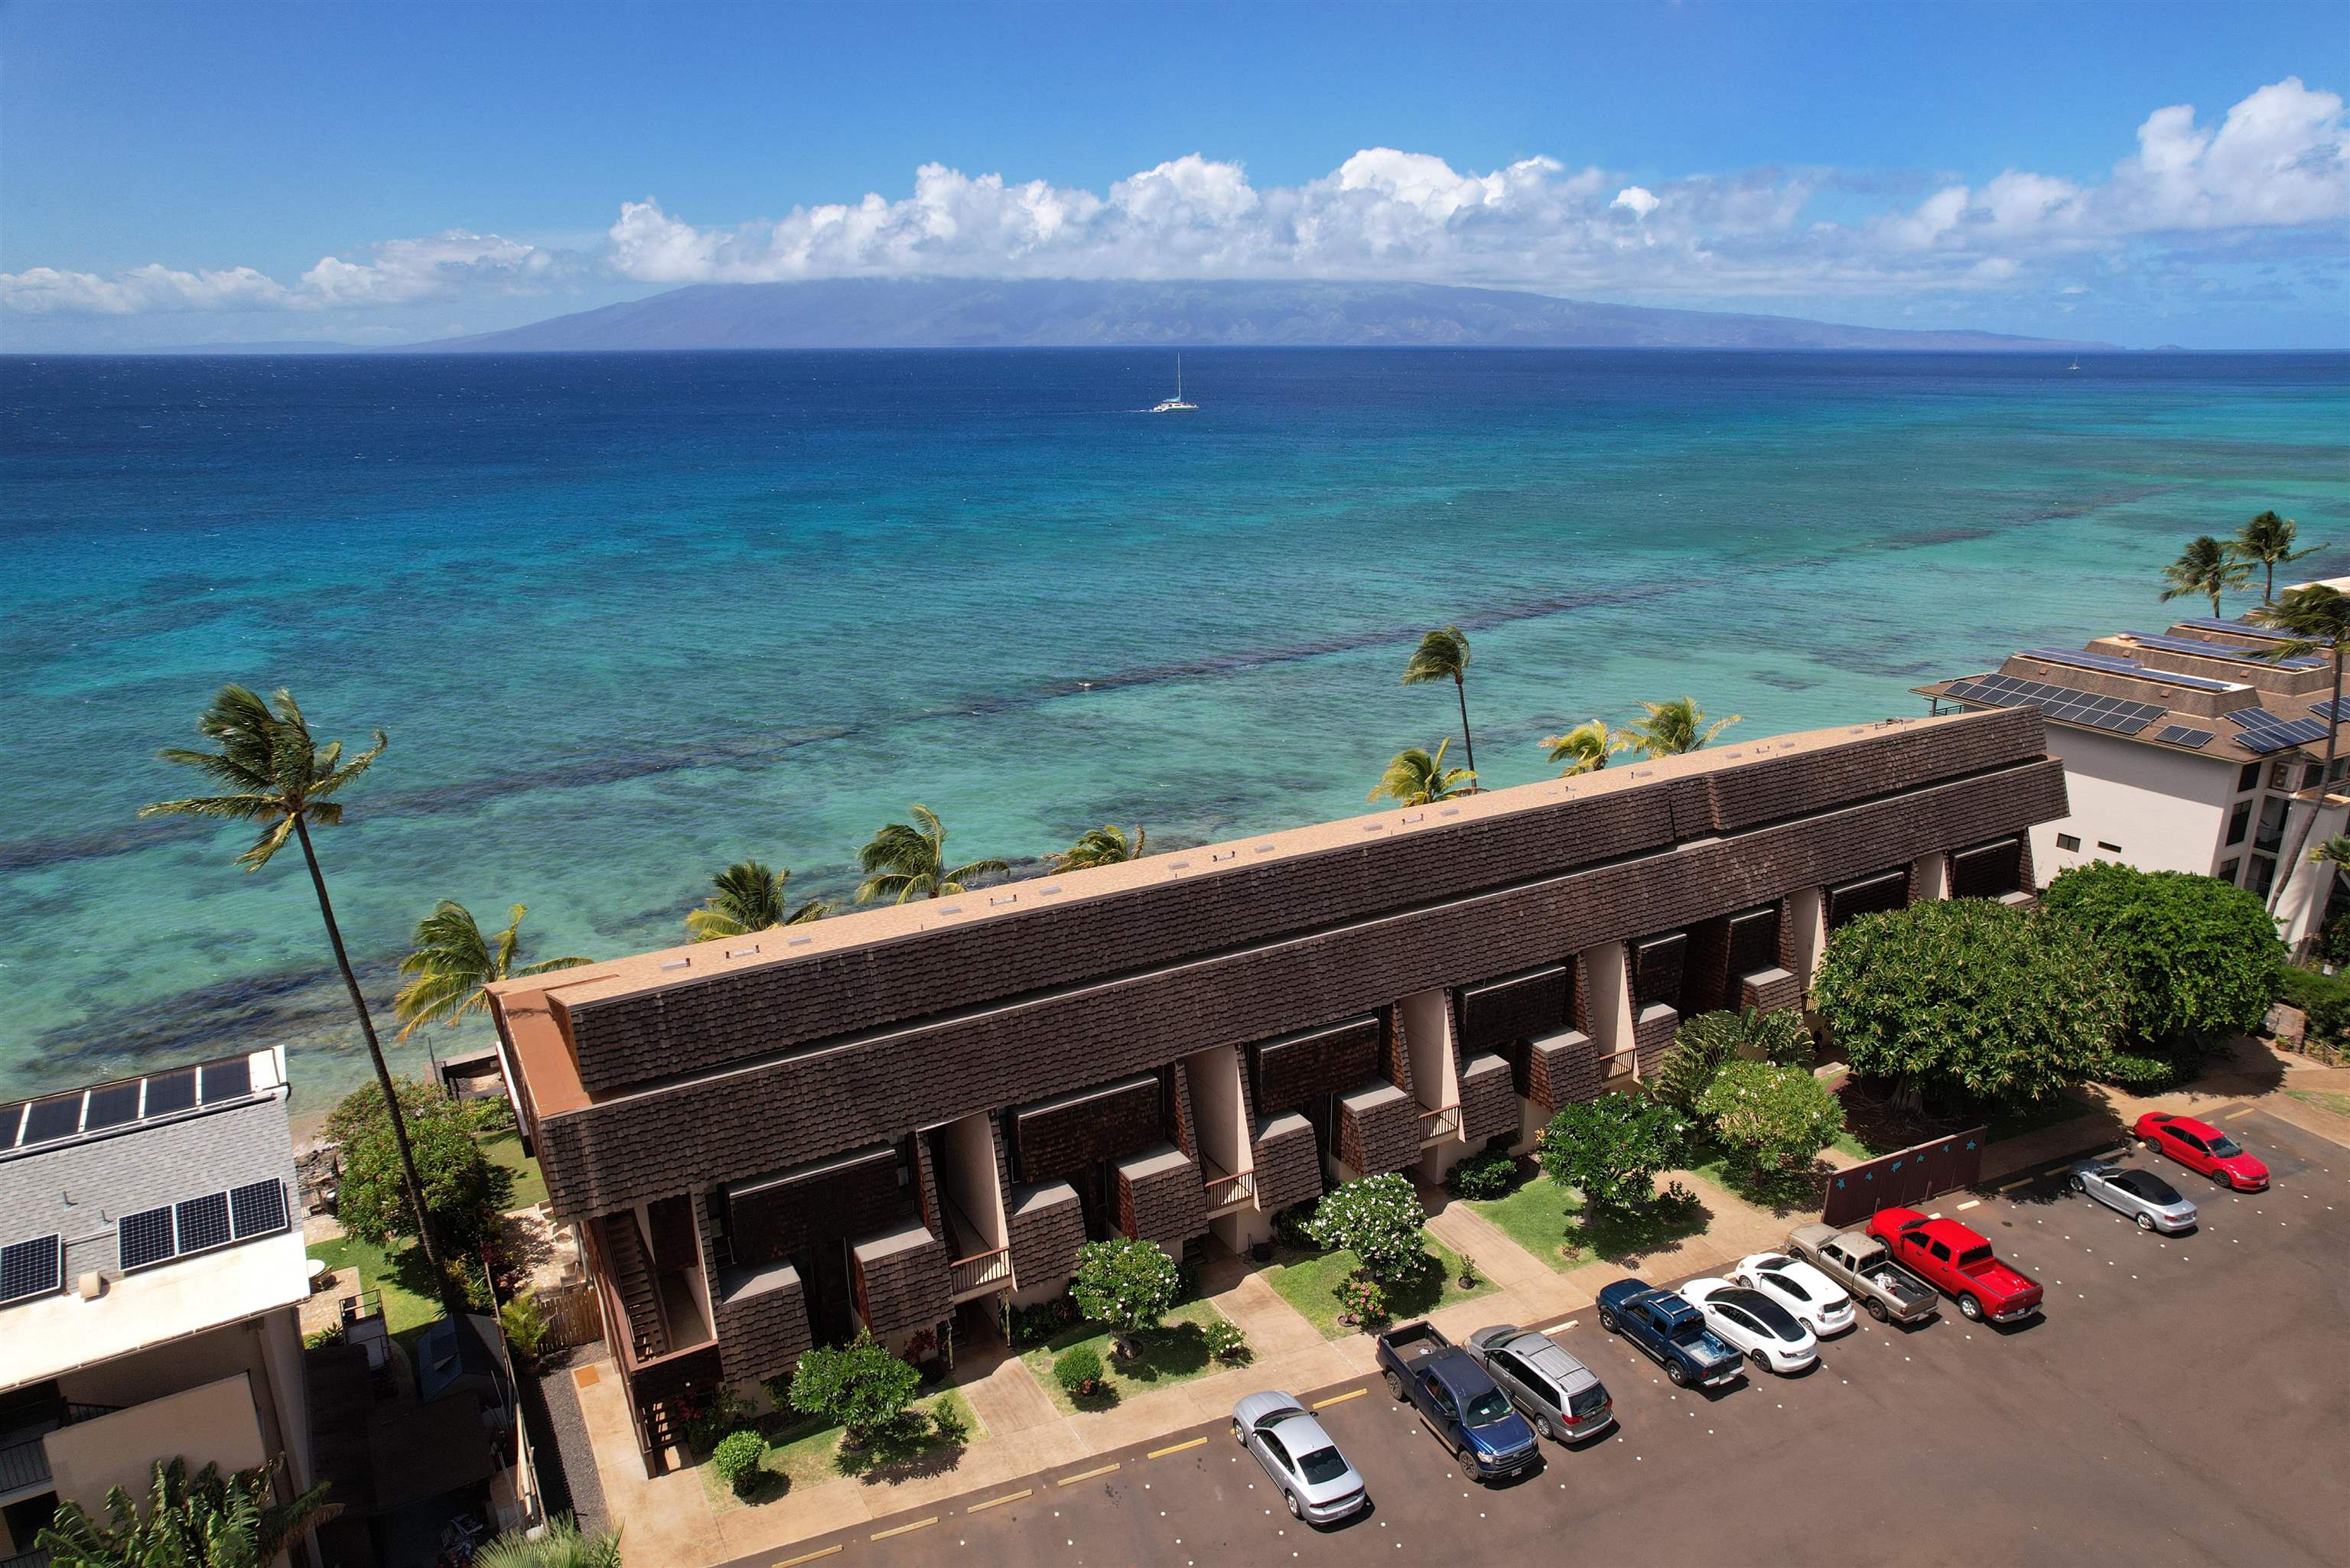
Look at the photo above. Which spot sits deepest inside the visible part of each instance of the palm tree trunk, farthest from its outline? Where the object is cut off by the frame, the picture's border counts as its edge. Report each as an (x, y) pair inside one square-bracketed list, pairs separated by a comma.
[(2324, 784), (451, 1302), (1460, 688), (2215, 604), (2268, 588)]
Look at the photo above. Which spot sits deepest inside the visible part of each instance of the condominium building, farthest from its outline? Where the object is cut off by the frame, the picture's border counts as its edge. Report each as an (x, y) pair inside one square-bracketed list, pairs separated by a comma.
[(903, 1118), (2193, 749), (149, 1277)]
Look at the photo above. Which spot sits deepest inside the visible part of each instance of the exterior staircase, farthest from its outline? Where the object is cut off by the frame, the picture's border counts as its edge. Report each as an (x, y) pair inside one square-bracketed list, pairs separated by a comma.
[(632, 1278)]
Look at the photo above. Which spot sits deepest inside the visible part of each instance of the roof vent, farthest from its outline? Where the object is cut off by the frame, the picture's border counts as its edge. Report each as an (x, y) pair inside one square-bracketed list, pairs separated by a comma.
[(1179, 866), (1054, 888), (676, 964), (1006, 898), (1415, 816), (1371, 828), (951, 910), (1265, 849), (1450, 811), (1215, 856), (801, 941), (743, 952)]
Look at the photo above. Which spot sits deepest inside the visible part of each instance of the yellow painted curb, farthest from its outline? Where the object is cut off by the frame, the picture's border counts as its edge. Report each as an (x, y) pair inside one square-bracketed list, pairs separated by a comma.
[(902, 1529), (1340, 1398), (1007, 1497), (1173, 1449), (807, 1557), (1086, 1475)]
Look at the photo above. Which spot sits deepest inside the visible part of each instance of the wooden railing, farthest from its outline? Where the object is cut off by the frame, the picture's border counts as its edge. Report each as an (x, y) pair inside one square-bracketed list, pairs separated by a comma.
[(980, 1272), (24, 1464), (1439, 1124), (1225, 1189)]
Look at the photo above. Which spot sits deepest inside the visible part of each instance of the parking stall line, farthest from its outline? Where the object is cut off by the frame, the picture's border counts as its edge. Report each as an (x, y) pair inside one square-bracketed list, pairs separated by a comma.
[(1173, 1449), (1340, 1398), (995, 1502), (903, 1529)]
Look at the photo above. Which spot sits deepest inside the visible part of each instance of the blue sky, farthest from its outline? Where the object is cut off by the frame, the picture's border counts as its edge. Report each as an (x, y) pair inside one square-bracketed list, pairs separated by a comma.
[(375, 173)]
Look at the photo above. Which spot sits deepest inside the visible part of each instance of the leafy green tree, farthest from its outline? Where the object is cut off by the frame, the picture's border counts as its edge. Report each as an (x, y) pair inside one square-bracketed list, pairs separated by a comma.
[(1126, 1283), (1416, 777), (1963, 999), (1611, 1148), (2266, 542), (2200, 960), (1674, 727), (1586, 748), (273, 774), (1443, 655), (562, 1544), (464, 1189), (2205, 566), (740, 1459), (2315, 619), (905, 861), (861, 1386), (1107, 845), (450, 961), (1703, 1044), (1378, 1218), (1775, 1117), (745, 898), (206, 1520)]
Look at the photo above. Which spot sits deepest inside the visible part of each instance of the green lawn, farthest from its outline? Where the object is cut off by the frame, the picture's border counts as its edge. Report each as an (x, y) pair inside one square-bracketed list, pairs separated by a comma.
[(1546, 1218), (1175, 1352), (1309, 1282), (407, 1310), (808, 1453), (1855, 1147), (529, 1187), (2324, 1099), (1784, 1191)]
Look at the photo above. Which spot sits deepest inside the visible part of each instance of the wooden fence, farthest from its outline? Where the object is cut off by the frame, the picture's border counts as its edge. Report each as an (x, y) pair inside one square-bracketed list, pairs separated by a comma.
[(572, 1316), (1905, 1179)]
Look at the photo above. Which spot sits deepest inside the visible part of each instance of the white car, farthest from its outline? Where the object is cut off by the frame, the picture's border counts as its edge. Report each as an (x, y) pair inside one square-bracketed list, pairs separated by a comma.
[(1818, 1301), (1760, 1328)]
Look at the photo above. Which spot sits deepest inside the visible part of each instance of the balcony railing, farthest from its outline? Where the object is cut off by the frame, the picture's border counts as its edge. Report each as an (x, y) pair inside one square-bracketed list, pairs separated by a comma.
[(1436, 1125), (1225, 1189), (980, 1274), (24, 1464)]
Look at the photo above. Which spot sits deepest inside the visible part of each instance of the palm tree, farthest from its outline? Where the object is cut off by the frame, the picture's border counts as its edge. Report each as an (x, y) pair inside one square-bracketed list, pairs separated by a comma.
[(277, 777), (747, 896), (907, 860), (1586, 748), (1674, 727), (1105, 846), (2205, 566), (2266, 542), (560, 1545), (2316, 620), (1416, 778), (1443, 655), (211, 1521), (452, 961)]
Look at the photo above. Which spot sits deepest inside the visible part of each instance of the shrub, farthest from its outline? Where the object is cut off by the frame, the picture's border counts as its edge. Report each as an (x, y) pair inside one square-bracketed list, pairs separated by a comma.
[(1360, 1300), (1611, 1148), (1036, 1324), (1226, 1341), (1704, 1045), (2326, 998), (2197, 959), (737, 1458), (710, 1416), (464, 1188), (1078, 1371), (1775, 1117), (1378, 1218), (525, 1326), (778, 1390), (861, 1386), (1292, 1226), (1468, 1273), (948, 1422), (330, 1335), (1489, 1173), (1126, 1283), (487, 1115)]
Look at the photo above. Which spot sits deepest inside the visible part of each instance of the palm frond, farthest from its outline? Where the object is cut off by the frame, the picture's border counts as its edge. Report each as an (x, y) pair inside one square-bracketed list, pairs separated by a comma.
[(267, 845), (1418, 777), (1442, 655), (1586, 748)]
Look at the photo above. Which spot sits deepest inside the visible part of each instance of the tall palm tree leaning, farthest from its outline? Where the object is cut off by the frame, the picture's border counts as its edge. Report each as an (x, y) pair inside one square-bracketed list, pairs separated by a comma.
[(2266, 542), (1674, 727), (1586, 748), (909, 860), (1105, 846), (450, 961), (2317, 620), (2205, 566), (1417, 778), (1443, 655), (747, 896), (276, 775)]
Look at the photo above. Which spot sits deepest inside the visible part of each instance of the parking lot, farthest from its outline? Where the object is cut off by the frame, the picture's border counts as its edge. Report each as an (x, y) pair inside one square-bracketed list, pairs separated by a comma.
[(2181, 1400)]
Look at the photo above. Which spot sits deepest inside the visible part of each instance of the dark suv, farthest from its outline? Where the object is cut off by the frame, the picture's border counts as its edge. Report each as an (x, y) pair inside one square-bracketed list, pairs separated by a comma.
[(1670, 1329)]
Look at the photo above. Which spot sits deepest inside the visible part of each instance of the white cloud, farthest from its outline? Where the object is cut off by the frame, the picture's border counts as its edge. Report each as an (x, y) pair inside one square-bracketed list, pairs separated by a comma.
[(398, 272), (1636, 198)]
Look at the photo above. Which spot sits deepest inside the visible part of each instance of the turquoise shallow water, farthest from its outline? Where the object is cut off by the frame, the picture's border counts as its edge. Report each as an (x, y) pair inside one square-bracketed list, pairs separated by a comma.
[(628, 617)]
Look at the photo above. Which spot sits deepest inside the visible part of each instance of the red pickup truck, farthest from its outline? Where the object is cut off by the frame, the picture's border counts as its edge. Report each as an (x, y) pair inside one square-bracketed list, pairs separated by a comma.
[(1957, 1262)]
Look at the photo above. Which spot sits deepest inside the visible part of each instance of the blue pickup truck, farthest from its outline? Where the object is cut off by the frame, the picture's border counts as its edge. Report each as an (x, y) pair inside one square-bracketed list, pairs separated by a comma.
[(1670, 1329), (1458, 1401)]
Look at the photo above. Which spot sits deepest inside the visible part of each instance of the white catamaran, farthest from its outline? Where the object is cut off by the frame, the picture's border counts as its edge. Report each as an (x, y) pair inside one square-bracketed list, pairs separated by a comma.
[(1175, 405)]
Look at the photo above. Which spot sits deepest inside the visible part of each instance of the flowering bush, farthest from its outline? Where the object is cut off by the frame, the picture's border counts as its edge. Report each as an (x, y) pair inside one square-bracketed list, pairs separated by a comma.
[(1226, 1341), (1360, 1300), (861, 1385), (1126, 1283), (1378, 1218), (1775, 1117)]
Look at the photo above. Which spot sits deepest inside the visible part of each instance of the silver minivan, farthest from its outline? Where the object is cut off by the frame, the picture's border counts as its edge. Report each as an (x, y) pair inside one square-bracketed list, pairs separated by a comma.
[(1562, 1397)]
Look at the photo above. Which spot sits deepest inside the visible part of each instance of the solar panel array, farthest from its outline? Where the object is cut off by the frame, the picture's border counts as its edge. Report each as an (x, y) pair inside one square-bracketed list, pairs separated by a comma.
[(33, 1268), (2267, 738), (2329, 710), (2237, 628), (2183, 735), (80, 1111), (2109, 665), (2188, 645), (2064, 704), (200, 1224)]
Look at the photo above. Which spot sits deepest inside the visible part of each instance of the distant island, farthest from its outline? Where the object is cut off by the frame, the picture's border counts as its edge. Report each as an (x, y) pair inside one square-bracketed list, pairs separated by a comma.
[(974, 313)]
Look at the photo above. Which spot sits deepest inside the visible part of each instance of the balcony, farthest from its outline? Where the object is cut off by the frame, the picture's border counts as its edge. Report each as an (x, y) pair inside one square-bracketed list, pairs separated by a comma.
[(24, 1447), (1436, 1125), (1225, 1191), (976, 1269)]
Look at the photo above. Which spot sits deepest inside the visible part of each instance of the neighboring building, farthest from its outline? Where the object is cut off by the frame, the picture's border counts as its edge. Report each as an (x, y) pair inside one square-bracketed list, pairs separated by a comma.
[(149, 1277), (2186, 750), (904, 1118)]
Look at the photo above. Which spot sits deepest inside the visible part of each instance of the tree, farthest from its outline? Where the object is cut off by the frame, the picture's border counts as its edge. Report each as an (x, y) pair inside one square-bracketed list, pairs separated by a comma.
[(561, 1545), (745, 898), (1675, 727), (907, 860), (1775, 1117), (1703, 1044), (1586, 748), (207, 1520), (1611, 1148), (2200, 960), (464, 1189), (1376, 1218), (2205, 566), (1128, 1284), (1105, 846), (276, 775), (2266, 542), (1443, 655), (1415, 777), (2315, 619), (452, 961), (861, 1386), (1966, 999)]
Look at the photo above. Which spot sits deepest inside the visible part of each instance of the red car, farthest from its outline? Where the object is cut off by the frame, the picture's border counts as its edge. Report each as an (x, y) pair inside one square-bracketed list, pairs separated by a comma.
[(2200, 1146), (1957, 1262)]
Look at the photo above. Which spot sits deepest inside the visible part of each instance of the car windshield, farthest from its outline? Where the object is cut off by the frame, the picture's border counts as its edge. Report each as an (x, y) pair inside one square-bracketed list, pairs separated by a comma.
[(1322, 1465), (1486, 1408), (1770, 1314), (2224, 1147)]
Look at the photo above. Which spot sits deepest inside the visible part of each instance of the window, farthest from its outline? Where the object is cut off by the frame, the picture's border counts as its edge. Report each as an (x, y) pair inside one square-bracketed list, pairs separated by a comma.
[(2263, 873), (2240, 820), (2270, 834), (1273, 1445), (2228, 870), (2249, 778), (1939, 1250), (2312, 776), (2068, 841), (2109, 848)]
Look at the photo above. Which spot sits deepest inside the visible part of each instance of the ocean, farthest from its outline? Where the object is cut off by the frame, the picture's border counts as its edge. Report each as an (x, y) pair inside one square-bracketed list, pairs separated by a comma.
[(628, 617)]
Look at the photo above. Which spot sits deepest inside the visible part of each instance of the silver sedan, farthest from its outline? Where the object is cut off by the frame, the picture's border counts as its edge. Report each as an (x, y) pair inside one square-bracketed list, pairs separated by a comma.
[(2138, 1194), (1314, 1479)]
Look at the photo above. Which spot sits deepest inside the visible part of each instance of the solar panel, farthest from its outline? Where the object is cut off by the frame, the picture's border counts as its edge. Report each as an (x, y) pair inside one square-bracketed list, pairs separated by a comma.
[(2276, 737), (2238, 628), (2201, 650), (204, 1223), (33, 1268), (2129, 667), (53, 1118), (169, 1092), (2094, 709), (2320, 710), (2183, 735), (228, 1080), (257, 1208), (112, 1106), (144, 1238)]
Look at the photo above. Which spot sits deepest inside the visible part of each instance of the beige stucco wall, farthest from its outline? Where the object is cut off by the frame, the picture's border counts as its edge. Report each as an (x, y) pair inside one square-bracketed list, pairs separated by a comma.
[(2166, 810), (263, 1354), (969, 1147), (213, 1423), (1223, 1133)]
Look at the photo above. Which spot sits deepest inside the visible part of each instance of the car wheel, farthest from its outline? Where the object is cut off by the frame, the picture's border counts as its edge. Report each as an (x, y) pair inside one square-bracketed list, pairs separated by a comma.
[(1607, 1320), (1761, 1362), (1677, 1373), (2152, 1145), (2079, 1185), (1395, 1384), (1877, 1310), (2146, 1221), (1543, 1427), (1971, 1309), (1238, 1436), (2220, 1178), (1297, 1511)]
